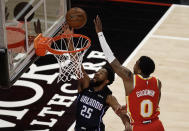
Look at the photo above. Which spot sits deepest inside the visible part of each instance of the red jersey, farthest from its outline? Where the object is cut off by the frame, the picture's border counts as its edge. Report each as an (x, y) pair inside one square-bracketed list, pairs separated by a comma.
[(142, 103)]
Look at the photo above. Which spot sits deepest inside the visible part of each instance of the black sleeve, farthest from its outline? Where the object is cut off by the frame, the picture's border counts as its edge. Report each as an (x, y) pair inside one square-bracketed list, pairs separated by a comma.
[(107, 91)]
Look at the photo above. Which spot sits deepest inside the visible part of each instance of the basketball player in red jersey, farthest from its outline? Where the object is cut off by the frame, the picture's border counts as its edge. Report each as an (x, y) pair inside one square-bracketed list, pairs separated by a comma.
[(143, 91)]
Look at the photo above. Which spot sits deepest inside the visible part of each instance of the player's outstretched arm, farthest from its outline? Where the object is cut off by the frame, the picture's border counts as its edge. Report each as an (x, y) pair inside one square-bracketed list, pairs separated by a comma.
[(123, 72), (83, 82), (118, 109)]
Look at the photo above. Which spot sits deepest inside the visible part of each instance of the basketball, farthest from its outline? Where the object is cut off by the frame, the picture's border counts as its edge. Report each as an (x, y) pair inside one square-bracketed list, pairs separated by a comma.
[(76, 17)]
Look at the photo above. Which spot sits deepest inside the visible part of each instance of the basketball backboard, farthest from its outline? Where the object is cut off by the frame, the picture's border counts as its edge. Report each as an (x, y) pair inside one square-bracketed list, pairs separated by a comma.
[(19, 26)]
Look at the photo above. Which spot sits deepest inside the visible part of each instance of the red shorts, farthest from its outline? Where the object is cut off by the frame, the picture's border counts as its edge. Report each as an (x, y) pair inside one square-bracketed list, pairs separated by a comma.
[(154, 126)]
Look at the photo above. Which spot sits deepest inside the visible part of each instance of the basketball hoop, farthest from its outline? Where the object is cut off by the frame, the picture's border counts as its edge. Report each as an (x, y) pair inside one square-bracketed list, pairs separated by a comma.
[(69, 61)]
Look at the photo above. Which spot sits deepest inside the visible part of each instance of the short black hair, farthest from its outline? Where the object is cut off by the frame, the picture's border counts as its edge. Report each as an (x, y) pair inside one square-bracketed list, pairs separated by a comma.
[(19, 7), (146, 65), (110, 75)]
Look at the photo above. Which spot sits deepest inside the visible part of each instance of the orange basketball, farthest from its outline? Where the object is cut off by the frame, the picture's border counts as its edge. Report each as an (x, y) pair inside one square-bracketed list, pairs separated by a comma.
[(76, 17)]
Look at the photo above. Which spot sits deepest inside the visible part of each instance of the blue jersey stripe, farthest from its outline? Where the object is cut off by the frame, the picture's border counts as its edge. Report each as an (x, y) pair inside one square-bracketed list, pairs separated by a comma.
[(103, 111)]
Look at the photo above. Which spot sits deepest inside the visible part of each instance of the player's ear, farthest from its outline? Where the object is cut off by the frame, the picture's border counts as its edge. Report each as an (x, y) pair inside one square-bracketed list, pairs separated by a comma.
[(139, 71)]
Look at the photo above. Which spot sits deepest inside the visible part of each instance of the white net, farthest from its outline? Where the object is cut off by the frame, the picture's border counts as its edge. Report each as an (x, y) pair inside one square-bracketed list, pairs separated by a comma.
[(70, 62)]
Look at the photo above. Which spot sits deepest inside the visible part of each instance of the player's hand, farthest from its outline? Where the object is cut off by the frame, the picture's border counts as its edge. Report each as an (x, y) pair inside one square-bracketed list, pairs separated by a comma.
[(67, 30), (117, 110), (121, 110), (128, 126), (122, 113), (98, 24), (37, 27)]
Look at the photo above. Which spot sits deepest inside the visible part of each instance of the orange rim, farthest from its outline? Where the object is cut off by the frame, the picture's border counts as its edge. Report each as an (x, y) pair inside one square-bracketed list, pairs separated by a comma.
[(54, 51), (17, 44)]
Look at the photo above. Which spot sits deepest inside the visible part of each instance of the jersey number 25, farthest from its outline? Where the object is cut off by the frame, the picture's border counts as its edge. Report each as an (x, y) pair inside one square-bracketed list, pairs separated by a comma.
[(86, 112)]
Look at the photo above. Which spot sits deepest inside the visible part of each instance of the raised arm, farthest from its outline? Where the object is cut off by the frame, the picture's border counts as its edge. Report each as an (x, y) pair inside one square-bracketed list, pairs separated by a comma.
[(121, 71), (83, 82)]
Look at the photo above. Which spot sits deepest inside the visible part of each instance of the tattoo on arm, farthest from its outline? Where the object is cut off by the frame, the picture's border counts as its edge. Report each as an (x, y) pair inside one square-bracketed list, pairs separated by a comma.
[(120, 70)]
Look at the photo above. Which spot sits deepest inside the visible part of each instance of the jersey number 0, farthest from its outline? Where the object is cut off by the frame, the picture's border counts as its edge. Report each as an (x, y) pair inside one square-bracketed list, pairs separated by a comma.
[(146, 108)]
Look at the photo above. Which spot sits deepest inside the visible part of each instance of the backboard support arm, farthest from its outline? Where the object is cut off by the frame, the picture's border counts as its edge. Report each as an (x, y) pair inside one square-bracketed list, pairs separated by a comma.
[(4, 75)]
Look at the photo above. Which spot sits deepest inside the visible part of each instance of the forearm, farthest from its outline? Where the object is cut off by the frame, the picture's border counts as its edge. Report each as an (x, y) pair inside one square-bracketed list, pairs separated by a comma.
[(118, 69), (112, 101), (125, 119), (115, 64), (85, 80), (109, 56), (105, 47)]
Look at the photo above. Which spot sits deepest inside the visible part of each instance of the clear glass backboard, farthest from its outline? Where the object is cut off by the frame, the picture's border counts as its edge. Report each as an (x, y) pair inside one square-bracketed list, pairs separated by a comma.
[(20, 22)]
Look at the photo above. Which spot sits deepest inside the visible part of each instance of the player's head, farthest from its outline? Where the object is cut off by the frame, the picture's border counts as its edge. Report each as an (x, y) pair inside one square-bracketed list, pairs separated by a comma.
[(144, 65), (19, 7), (104, 76), (110, 74)]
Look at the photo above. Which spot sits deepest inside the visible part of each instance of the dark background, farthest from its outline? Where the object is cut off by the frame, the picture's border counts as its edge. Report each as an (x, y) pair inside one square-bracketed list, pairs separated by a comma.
[(124, 24)]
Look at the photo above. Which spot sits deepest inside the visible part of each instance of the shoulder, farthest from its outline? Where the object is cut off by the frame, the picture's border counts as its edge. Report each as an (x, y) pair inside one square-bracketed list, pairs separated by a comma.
[(159, 84), (107, 91)]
